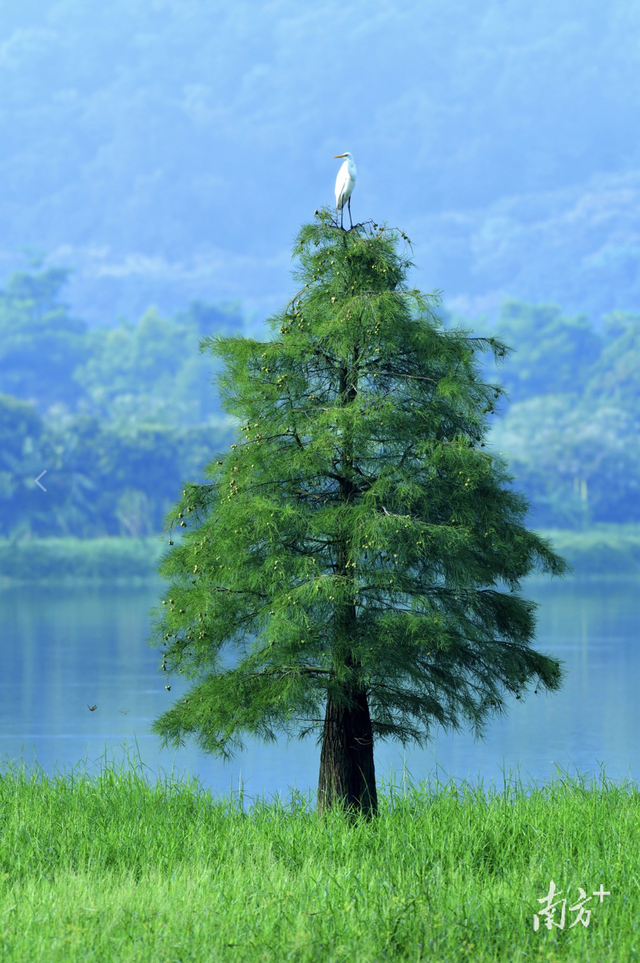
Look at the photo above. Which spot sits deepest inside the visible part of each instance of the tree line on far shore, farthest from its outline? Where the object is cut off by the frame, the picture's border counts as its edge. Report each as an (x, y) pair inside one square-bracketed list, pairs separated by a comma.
[(119, 416)]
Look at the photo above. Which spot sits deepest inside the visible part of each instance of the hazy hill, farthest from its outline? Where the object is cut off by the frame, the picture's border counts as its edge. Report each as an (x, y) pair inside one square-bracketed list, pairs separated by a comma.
[(170, 149)]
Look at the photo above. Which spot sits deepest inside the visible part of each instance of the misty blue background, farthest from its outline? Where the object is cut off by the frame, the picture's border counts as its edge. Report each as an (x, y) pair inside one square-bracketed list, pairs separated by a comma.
[(170, 149)]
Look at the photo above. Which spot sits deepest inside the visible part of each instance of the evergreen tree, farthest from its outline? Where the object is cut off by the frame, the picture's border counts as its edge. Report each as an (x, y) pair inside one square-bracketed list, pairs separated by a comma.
[(353, 564)]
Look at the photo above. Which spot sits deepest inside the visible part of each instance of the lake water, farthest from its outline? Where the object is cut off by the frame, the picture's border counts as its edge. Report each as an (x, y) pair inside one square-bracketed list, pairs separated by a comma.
[(64, 650)]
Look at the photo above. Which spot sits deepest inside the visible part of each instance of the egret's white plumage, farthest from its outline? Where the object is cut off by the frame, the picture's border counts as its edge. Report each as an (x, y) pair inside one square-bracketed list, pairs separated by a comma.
[(345, 182)]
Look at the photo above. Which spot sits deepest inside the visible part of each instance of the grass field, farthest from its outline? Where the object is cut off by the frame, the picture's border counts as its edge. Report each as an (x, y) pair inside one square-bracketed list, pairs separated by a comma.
[(113, 867)]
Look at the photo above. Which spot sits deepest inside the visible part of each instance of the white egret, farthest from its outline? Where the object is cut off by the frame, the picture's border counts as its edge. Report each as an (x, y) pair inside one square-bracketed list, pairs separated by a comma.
[(345, 182)]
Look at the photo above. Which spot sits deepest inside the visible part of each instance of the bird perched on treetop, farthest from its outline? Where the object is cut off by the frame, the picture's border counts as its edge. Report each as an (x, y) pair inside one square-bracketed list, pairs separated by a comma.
[(345, 182)]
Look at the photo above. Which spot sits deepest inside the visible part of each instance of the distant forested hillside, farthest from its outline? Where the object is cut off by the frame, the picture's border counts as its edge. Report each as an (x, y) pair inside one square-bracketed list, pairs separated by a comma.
[(120, 417), (169, 149)]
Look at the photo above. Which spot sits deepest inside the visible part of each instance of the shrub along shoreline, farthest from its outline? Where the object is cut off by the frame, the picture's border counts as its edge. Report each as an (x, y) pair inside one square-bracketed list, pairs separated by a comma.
[(594, 553)]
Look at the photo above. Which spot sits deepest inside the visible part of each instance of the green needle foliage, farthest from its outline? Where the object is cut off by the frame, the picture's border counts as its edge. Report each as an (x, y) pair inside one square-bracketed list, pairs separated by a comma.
[(353, 564)]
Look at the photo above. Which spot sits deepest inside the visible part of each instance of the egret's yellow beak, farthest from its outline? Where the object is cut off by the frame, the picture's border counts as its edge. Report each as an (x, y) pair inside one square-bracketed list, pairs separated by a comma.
[(339, 155)]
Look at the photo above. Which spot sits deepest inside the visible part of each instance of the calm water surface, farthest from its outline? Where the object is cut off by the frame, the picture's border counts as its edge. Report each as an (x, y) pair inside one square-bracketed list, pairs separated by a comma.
[(64, 650)]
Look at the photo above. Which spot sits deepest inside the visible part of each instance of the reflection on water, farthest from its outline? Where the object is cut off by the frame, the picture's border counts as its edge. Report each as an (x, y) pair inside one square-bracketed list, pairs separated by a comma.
[(67, 650)]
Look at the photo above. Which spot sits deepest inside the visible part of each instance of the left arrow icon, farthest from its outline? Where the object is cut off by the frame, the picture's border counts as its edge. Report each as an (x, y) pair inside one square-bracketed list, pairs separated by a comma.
[(37, 480)]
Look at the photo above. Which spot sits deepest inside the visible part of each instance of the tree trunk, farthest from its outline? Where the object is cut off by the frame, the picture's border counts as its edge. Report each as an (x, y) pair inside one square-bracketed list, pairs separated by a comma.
[(347, 774)]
